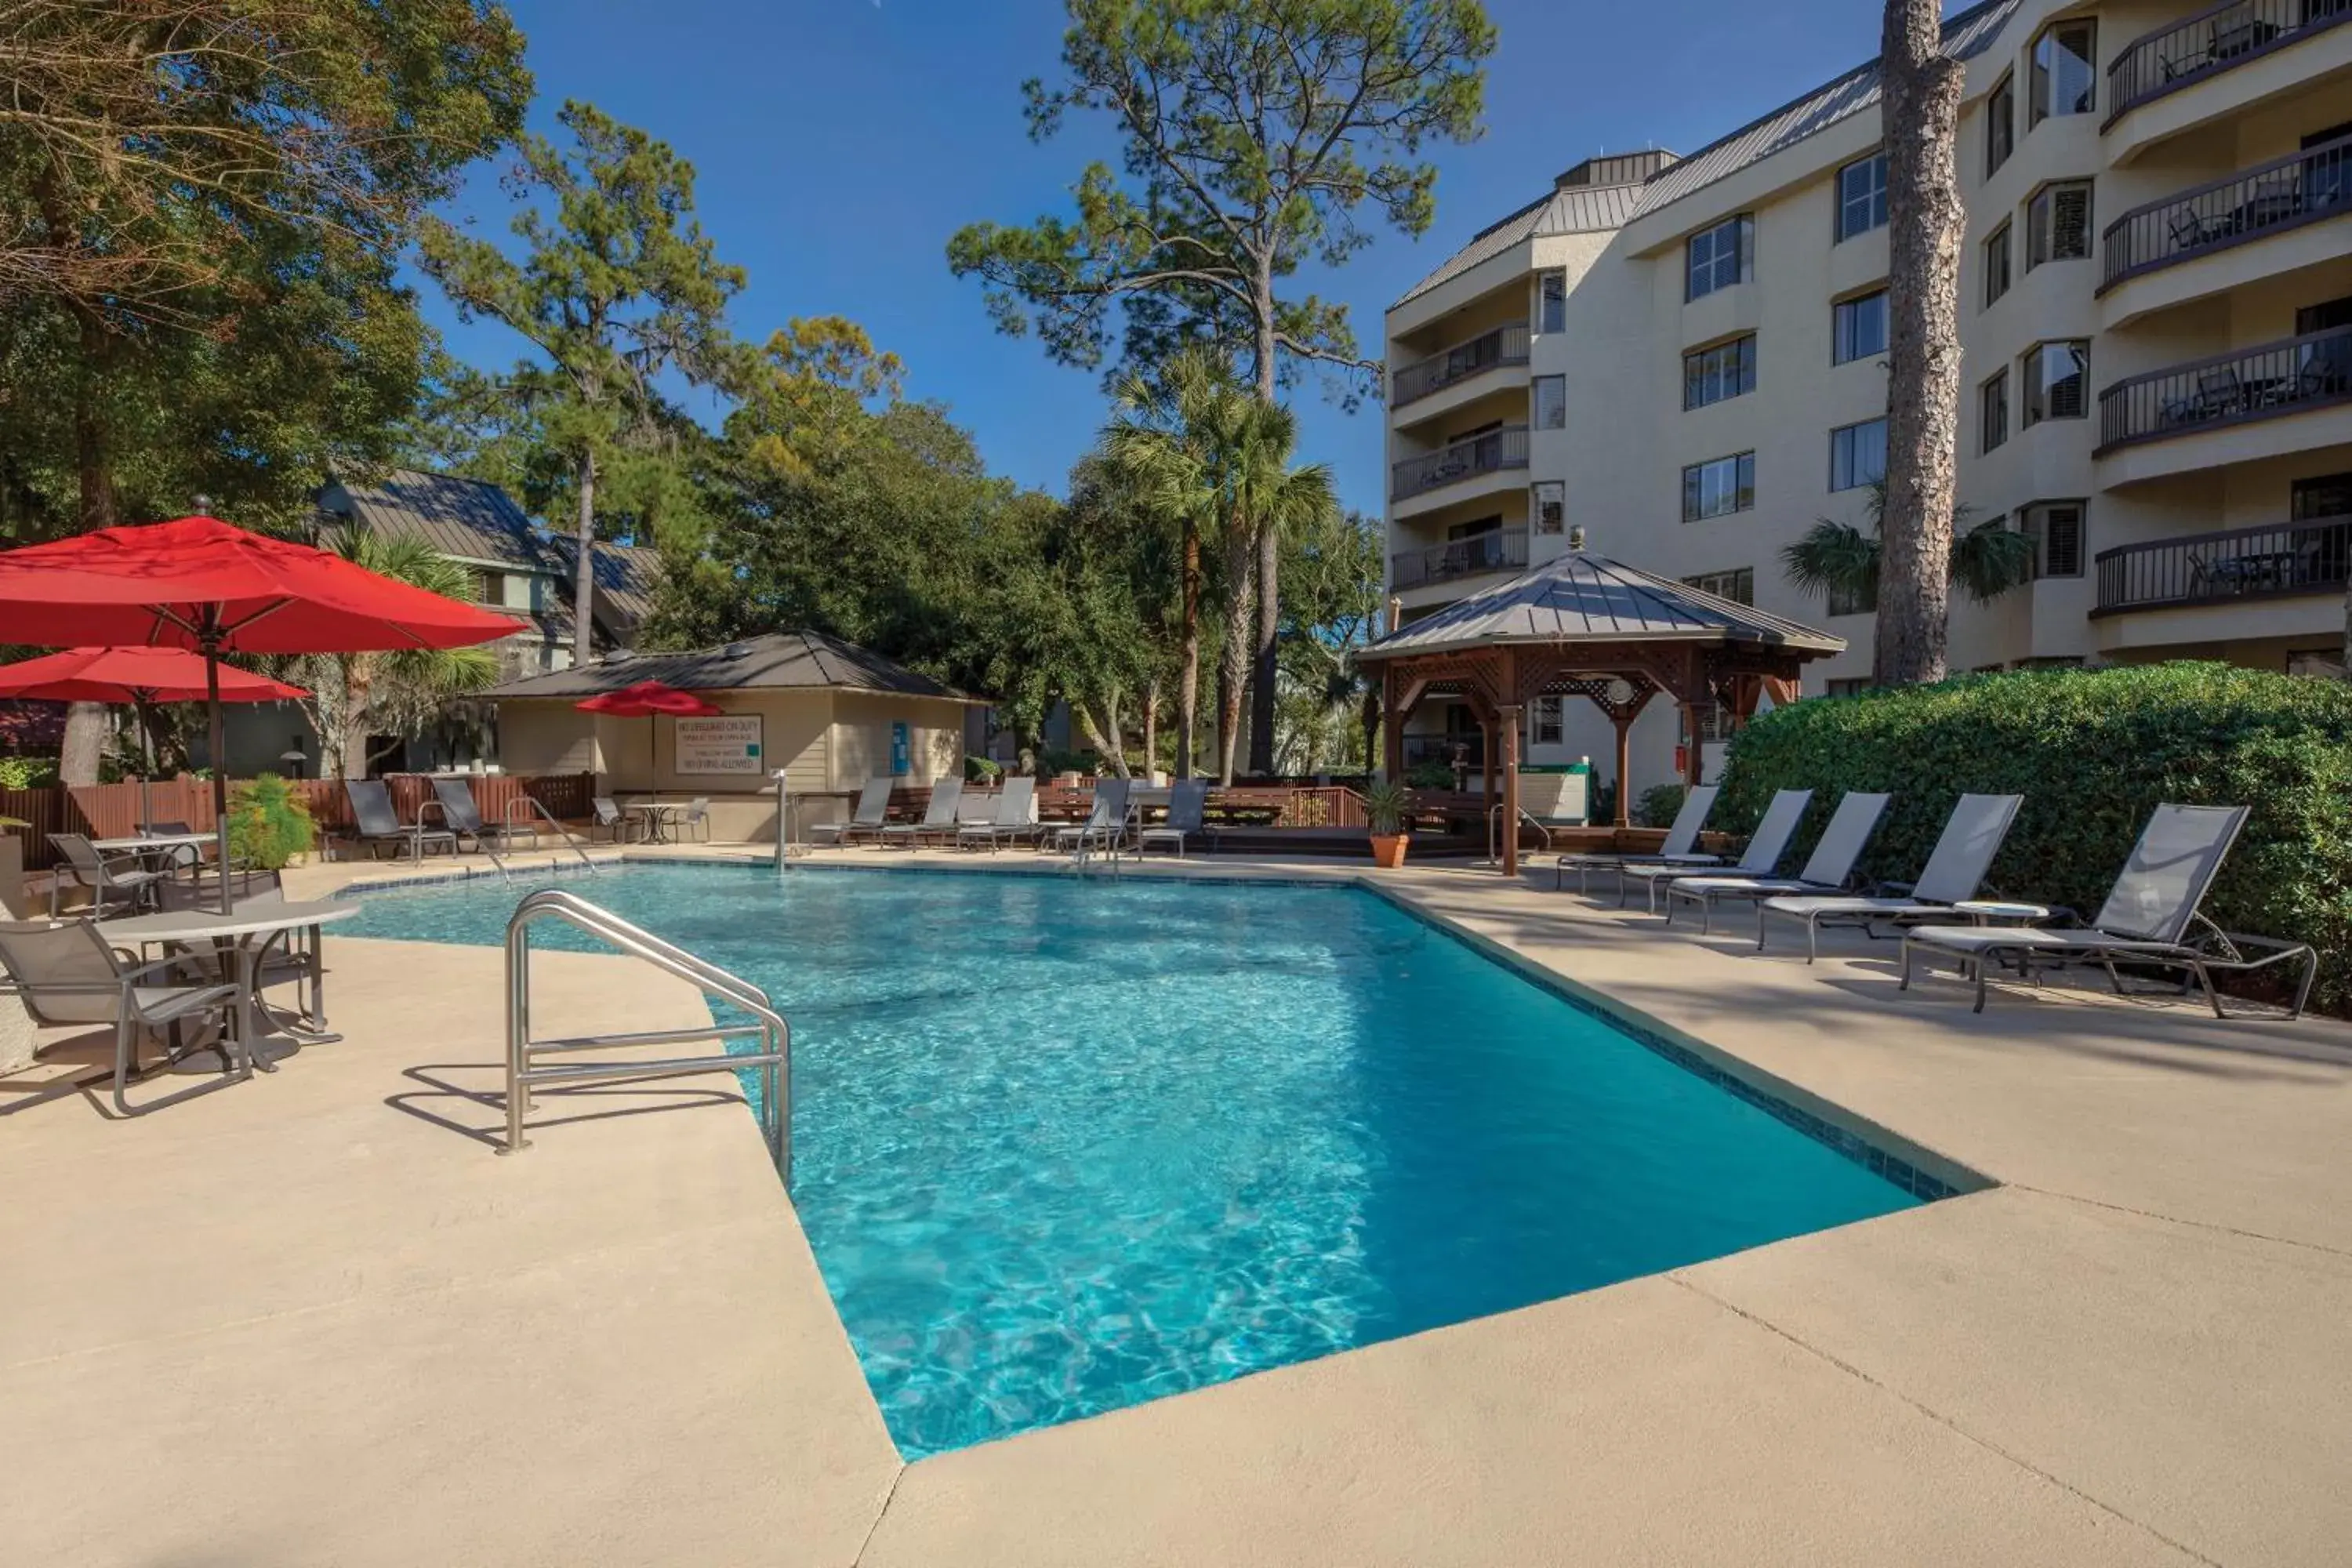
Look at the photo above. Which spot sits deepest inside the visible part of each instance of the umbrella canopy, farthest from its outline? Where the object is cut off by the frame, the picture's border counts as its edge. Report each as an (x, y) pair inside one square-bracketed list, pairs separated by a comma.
[(647, 697), (139, 675)]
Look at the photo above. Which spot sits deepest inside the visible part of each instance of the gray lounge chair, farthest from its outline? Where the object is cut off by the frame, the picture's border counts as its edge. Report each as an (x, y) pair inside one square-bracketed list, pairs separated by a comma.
[(939, 818), (1761, 858), (68, 974), (1188, 801), (1679, 849), (2150, 917), (1015, 819), (611, 818), (114, 881), (1955, 871), (867, 821), (375, 822), (1826, 871), (696, 819), (1107, 821), (463, 817)]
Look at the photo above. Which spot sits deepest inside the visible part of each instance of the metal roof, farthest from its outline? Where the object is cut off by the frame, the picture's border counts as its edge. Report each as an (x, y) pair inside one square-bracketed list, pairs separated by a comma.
[(778, 661), (1570, 209), (1583, 597)]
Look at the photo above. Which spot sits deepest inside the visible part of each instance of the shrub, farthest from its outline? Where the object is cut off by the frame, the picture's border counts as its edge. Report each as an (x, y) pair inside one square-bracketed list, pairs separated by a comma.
[(981, 771), (1387, 809), (1658, 805), (268, 824), (1429, 776), (28, 773), (2093, 752)]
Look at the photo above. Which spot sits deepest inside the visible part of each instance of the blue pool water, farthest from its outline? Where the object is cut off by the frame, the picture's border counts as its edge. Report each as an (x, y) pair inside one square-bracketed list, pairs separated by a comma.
[(1064, 1146)]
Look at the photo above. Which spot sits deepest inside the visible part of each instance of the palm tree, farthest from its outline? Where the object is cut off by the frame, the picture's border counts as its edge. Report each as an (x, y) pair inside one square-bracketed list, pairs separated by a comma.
[(1837, 558)]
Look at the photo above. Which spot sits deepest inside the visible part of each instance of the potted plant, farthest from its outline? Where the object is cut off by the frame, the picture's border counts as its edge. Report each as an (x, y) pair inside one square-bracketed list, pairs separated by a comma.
[(1387, 807)]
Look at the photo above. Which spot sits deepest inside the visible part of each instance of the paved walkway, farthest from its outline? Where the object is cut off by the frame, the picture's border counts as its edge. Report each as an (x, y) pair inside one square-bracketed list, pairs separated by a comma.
[(312, 1320)]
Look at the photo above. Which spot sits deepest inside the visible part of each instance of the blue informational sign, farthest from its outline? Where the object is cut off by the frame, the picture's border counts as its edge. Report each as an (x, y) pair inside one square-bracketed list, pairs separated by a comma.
[(901, 753)]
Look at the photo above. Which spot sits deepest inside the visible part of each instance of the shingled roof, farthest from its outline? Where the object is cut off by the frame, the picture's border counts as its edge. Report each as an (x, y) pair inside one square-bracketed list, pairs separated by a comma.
[(778, 661)]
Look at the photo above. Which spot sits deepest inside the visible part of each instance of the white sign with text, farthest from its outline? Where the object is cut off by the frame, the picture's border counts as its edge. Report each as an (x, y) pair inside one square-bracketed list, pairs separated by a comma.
[(728, 743)]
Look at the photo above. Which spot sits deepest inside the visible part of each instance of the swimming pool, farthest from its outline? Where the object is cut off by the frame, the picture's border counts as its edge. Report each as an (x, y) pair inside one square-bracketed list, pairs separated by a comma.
[(1063, 1145)]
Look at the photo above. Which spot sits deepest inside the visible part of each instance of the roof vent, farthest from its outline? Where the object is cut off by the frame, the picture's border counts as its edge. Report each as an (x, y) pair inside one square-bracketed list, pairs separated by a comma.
[(737, 650), (616, 655)]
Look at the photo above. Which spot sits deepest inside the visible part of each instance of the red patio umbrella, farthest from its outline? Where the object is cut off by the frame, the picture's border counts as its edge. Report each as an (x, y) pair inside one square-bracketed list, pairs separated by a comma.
[(202, 584), (648, 700), (139, 677)]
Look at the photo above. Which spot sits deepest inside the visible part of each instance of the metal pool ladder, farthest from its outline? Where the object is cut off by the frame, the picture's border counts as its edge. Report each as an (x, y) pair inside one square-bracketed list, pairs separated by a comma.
[(774, 1057)]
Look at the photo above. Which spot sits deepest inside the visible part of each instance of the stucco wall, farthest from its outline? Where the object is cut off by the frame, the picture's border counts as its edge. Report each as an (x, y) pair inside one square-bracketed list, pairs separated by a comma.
[(860, 738)]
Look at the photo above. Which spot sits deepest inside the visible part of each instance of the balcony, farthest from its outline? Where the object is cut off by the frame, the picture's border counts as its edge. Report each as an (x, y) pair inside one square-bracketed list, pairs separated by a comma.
[(1490, 453), (2270, 198), (1505, 344), (2287, 378), (1505, 550), (2277, 561), (2213, 40)]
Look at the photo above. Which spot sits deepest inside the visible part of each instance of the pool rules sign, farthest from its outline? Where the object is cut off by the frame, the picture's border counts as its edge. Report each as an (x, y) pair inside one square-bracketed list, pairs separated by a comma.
[(728, 743)]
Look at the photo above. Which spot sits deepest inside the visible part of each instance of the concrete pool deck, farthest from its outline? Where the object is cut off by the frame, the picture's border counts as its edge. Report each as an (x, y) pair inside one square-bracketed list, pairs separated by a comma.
[(311, 1319)]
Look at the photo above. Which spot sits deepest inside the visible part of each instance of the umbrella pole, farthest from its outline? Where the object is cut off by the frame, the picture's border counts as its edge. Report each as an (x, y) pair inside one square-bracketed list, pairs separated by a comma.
[(147, 750), (211, 640)]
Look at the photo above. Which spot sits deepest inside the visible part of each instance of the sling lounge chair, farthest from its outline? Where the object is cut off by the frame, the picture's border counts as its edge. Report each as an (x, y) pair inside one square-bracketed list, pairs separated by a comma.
[(1187, 800), (464, 818), (69, 973), (375, 821), (1015, 819), (1105, 824), (867, 821), (939, 816), (1825, 871), (611, 818), (2150, 917), (1679, 849), (1765, 847), (1955, 871)]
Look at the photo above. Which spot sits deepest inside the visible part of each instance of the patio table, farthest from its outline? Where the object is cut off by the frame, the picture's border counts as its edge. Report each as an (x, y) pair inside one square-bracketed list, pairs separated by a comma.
[(657, 815), (229, 939)]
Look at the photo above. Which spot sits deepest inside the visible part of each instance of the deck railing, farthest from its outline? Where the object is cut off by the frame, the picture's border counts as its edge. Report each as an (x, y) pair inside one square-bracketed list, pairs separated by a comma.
[(2210, 41), (1488, 453), (2286, 193), (1503, 550), (2273, 561), (1505, 344), (2261, 383)]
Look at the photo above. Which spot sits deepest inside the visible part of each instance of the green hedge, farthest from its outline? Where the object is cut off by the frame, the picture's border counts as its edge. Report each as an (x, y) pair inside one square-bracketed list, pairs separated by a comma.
[(2092, 751)]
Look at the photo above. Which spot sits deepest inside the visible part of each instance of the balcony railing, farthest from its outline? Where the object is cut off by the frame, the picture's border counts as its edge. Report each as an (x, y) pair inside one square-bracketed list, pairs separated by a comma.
[(1505, 550), (1420, 749), (2286, 192), (1488, 454), (2284, 377), (2270, 561), (1505, 344), (2210, 41)]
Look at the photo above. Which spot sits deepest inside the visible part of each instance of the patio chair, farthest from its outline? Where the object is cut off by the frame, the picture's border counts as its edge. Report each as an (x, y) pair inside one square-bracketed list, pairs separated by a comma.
[(873, 810), (1679, 849), (1106, 822), (939, 816), (696, 818), (1762, 856), (114, 881), (1015, 818), (1188, 802), (611, 818), (2150, 917), (68, 973), (463, 817), (375, 821), (2187, 231), (1825, 871), (2324, 374), (180, 856), (1955, 870), (288, 957)]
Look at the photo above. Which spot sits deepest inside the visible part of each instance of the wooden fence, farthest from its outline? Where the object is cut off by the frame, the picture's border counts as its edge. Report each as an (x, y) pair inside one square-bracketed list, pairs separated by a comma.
[(1242, 806)]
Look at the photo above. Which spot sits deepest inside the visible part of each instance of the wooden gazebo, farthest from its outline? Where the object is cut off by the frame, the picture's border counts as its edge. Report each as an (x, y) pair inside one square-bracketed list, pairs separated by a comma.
[(1585, 625)]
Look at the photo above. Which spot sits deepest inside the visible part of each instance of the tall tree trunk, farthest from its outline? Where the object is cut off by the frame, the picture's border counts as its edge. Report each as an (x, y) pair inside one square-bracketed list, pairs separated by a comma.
[(84, 742), (1920, 110), (1269, 547), (351, 717), (583, 581), (1234, 659), (1370, 721), (1188, 683), (1151, 726)]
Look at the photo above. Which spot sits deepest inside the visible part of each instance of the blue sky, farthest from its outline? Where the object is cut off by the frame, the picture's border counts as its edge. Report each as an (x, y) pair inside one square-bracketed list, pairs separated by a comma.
[(840, 142)]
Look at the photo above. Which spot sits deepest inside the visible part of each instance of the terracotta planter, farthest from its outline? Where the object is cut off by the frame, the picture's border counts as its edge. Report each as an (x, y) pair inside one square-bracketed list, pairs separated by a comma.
[(1388, 850)]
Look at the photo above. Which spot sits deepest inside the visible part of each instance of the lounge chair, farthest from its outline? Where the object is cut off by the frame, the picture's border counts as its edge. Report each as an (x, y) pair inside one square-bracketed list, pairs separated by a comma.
[(2148, 918), (873, 810), (611, 818), (1955, 871), (69, 973), (1679, 849), (939, 816), (696, 819), (114, 882), (1765, 847), (1106, 823), (1825, 871), (1188, 800), (1015, 818), (375, 821), (463, 817)]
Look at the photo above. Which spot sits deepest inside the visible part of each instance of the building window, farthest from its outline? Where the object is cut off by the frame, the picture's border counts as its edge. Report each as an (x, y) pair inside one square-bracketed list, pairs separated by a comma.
[(1992, 412), (2000, 124), (1996, 264), (1861, 196), (1551, 402), (2057, 381), (1551, 302), (1720, 256), (2058, 224), (2323, 498), (1726, 370), (1858, 327), (2063, 79), (1853, 601), (2056, 529), (1858, 455), (1543, 721), (1549, 505), (1720, 487), (1848, 686), (1738, 586)]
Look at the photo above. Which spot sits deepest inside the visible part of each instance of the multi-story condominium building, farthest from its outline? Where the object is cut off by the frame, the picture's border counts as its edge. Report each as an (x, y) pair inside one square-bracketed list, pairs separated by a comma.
[(1685, 357)]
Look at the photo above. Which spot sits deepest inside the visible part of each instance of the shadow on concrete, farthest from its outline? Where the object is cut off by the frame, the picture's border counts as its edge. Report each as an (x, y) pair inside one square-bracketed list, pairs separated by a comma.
[(414, 1102)]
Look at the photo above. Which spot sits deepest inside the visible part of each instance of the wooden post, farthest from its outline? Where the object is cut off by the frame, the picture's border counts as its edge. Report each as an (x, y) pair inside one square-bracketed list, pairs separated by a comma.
[(1624, 773), (1506, 720), (1486, 759), (1391, 724), (1691, 760)]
